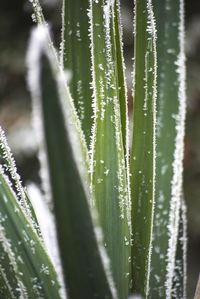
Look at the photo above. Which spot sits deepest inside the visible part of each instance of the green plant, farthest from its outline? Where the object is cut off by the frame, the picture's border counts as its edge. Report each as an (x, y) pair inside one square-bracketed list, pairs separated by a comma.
[(120, 217)]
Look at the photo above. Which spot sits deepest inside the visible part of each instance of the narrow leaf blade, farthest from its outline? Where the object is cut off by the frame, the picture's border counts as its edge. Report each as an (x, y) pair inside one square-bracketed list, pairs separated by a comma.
[(25, 268), (180, 272), (76, 59), (8, 163), (143, 146), (170, 137), (84, 271), (108, 171), (121, 80)]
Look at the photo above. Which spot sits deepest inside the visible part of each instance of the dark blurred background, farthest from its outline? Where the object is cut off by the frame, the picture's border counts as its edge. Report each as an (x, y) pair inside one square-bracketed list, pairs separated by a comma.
[(15, 104)]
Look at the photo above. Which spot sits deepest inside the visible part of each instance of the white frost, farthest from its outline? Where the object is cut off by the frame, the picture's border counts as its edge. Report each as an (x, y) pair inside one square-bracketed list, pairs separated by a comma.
[(177, 179), (9, 167), (47, 225)]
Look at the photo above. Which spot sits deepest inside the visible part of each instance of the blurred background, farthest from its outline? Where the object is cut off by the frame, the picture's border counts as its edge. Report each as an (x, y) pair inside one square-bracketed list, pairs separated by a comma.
[(15, 104)]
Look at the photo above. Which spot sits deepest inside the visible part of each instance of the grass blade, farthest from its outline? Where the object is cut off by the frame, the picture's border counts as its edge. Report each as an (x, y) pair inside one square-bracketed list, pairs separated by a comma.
[(143, 147), (180, 272), (170, 132), (8, 163), (37, 16), (76, 59), (25, 268), (120, 67), (84, 270), (109, 177)]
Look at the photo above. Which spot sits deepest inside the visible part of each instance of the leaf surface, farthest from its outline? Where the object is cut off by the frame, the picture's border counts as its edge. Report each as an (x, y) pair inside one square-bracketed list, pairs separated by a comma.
[(75, 53), (108, 166), (170, 137), (85, 271), (180, 272), (143, 144), (25, 268), (8, 163)]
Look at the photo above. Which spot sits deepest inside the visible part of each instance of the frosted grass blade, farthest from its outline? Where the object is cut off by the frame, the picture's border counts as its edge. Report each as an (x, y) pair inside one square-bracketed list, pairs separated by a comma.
[(86, 273), (180, 272), (109, 177), (170, 135), (25, 269), (120, 67), (143, 146), (48, 230), (37, 16), (8, 163), (75, 56)]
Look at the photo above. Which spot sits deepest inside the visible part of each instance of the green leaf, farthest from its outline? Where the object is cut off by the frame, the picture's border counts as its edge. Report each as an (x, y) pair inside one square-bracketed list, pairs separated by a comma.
[(108, 171), (180, 271), (8, 163), (25, 268), (76, 59), (120, 73), (86, 273), (143, 147), (170, 136), (75, 56)]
